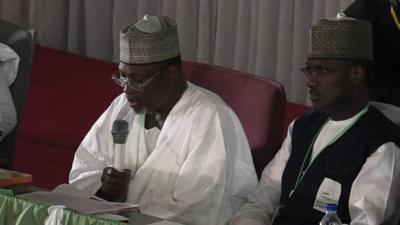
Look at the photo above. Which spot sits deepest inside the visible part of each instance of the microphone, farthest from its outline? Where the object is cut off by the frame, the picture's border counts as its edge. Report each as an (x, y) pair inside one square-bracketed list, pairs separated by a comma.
[(120, 131)]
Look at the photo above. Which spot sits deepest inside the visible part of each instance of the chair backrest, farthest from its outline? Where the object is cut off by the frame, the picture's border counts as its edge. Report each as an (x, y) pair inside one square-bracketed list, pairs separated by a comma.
[(21, 41), (258, 102)]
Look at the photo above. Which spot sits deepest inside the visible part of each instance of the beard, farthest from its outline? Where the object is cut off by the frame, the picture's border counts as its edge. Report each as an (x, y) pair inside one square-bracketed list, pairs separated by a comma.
[(140, 110)]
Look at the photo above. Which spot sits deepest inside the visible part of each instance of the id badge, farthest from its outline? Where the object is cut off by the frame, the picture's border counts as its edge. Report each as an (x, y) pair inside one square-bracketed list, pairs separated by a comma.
[(328, 192)]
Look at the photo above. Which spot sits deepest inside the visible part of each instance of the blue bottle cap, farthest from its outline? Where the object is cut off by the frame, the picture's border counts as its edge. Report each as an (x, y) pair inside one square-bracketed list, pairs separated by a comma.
[(331, 207)]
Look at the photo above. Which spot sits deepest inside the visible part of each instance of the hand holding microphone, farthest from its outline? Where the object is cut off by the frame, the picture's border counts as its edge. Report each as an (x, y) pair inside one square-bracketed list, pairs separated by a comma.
[(114, 183)]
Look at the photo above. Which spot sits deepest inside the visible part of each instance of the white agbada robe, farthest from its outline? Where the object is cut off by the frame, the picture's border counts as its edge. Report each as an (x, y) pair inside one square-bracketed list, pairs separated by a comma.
[(199, 172), (8, 72), (374, 195)]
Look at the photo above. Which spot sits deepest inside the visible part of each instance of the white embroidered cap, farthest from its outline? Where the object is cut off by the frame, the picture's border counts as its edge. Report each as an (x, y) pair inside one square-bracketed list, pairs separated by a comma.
[(152, 39)]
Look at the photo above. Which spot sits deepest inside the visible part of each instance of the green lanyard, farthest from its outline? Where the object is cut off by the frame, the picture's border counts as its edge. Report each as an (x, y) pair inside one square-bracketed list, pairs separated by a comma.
[(394, 16), (303, 168), (141, 125)]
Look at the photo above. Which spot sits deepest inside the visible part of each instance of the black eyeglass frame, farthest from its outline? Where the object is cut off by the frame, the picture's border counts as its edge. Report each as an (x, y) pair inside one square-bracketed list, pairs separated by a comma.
[(320, 72), (124, 81)]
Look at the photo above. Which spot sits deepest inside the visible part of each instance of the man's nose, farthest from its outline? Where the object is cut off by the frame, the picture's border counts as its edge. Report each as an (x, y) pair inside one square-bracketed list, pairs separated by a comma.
[(311, 80), (129, 90)]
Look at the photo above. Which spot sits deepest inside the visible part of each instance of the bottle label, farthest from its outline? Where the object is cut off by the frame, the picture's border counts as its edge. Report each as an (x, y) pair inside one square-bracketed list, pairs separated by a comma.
[(328, 192)]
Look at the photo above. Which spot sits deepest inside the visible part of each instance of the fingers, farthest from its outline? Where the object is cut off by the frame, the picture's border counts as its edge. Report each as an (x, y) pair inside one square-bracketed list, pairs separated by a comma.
[(126, 173), (114, 189), (114, 183), (112, 175), (113, 180)]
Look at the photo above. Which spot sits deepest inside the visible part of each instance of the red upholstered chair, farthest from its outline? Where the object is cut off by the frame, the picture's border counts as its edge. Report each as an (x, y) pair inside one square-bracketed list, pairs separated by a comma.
[(258, 102), (293, 110), (68, 93)]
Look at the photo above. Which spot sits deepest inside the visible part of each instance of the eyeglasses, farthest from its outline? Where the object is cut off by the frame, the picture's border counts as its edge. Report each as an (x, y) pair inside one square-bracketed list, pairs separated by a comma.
[(320, 72), (123, 81)]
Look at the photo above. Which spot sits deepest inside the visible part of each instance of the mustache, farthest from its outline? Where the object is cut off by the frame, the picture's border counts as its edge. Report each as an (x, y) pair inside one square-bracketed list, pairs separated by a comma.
[(313, 92)]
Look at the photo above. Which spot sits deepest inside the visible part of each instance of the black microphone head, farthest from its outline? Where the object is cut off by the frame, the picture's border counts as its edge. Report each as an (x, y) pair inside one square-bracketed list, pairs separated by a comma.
[(120, 131)]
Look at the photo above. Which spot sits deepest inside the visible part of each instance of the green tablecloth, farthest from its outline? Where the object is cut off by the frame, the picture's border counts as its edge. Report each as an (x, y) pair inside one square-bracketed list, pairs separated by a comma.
[(18, 211)]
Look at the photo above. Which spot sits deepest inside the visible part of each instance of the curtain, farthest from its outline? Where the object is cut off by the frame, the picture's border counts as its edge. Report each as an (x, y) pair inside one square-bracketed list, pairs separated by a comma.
[(265, 37)]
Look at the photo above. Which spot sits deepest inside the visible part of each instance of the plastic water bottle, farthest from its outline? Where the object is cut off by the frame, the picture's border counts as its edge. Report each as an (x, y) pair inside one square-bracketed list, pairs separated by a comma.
[(330, 218)]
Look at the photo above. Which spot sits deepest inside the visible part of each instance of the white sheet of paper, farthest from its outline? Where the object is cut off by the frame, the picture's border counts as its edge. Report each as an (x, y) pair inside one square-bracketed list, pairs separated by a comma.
[(80, 201)]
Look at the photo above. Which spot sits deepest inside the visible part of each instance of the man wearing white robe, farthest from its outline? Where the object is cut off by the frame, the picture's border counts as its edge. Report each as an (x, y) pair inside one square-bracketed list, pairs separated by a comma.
[(186, 157)]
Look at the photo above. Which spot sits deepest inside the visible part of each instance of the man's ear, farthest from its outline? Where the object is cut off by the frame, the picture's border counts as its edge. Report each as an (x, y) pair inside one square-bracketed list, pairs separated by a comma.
[(358, 75), (171, 72)]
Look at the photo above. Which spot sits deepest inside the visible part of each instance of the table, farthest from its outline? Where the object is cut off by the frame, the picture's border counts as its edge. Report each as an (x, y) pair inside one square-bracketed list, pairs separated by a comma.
[(135, 218), (10, 177)]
